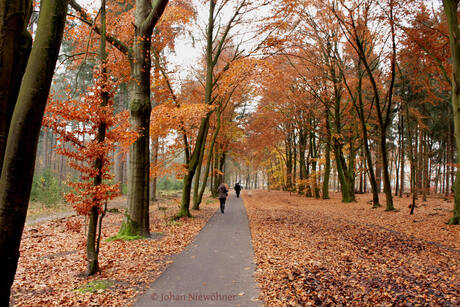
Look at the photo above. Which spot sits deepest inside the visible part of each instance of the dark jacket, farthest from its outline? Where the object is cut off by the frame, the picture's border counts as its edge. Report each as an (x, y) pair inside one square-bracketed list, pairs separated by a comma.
[(237, 187), (222, 191)]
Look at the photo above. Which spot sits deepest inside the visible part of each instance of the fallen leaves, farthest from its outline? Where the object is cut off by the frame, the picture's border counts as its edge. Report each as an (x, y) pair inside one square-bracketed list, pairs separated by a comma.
[(317, 252), (53, 259)]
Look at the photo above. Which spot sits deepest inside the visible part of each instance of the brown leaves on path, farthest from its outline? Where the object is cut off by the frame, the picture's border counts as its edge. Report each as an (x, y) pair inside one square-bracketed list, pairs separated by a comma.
[(53, 258), (324, 252)]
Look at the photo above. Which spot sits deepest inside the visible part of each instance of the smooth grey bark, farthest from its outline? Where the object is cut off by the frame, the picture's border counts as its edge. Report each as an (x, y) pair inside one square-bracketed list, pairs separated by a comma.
[(136, 220), (21, 148)]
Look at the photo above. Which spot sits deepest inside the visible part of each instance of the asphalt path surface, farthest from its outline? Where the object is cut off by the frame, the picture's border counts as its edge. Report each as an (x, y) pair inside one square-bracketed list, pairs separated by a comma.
[(216, 269)]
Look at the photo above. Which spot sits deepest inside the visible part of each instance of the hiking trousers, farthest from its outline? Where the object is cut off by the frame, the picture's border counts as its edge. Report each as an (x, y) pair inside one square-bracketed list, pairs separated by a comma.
[(222, 204)]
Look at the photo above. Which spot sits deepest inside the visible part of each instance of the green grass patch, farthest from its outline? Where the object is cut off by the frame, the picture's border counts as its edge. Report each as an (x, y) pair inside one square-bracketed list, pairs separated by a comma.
[(114, 210), (95, 286), (123, 237), (173, 223), (210, 201)]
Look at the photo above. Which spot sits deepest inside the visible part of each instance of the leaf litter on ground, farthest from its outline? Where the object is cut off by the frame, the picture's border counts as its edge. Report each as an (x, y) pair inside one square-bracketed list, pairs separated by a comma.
[(52, 261), (313, 252)]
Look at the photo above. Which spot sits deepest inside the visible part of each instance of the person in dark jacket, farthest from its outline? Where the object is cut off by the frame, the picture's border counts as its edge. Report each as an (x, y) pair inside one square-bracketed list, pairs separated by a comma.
[(237, 189), (222, 192)]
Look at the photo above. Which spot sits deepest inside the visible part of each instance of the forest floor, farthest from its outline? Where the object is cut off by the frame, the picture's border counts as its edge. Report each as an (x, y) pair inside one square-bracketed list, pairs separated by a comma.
[(307, 251), (39, 213), (314, 252), (53, 257)]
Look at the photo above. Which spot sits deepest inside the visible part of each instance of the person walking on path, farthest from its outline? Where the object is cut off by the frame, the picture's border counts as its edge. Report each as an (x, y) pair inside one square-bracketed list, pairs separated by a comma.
[(237, 189), (222, 191)]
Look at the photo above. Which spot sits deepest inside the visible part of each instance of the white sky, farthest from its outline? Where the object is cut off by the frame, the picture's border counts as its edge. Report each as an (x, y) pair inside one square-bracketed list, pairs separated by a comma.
[(188, 52), (185, 55)]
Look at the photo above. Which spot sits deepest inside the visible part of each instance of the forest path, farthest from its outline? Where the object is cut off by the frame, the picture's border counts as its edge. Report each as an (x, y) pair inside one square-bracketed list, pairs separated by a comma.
[(118, 203), (215, 269)]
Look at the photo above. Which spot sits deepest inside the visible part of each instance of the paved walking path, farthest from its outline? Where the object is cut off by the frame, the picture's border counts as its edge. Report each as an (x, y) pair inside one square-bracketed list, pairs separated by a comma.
[(215, 269)]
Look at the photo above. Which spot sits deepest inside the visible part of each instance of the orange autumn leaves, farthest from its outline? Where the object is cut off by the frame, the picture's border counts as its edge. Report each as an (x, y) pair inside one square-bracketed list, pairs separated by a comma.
[(76, 123)]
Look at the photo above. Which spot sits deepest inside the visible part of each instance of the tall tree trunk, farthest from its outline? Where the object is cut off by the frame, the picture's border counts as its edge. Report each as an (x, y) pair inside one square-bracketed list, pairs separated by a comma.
[(198, 175), (370, 167), (302, 162), (120, 170), (92, 250), (294, 164), (220, 177), (413, 162), (212, 55), (424, 165), (136, 220), (314, 154), (288, 162), (196, 205), (451, 9), (402, 149), (327, 166), (19, 159), (447, 164), (194, 159), (153, 191), (15, 45)]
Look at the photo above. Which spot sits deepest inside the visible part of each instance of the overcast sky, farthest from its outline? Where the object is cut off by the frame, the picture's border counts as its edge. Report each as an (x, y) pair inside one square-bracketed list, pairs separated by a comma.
[(188, 52)]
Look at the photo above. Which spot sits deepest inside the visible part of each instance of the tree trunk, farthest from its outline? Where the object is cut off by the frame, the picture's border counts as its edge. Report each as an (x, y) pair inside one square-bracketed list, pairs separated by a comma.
[(196, 186), (386, 174), (196, 205), (314, 154), (327, 166), (92, 251), (220, 177), (402, 148), (19, 159), (136, 222), (15, 45), (370, 167), (194, 159), (153, 192), (288, 163), (215, 185), (451, 9), (302, 165), (120, 171)]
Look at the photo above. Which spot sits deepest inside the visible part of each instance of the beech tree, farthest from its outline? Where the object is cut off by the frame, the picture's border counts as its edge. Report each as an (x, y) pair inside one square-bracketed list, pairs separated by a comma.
[(451, 9), (146, 16)]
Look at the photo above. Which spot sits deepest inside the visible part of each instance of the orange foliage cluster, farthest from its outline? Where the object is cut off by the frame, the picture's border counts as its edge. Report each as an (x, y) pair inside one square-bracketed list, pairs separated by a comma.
[(76, 122)]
